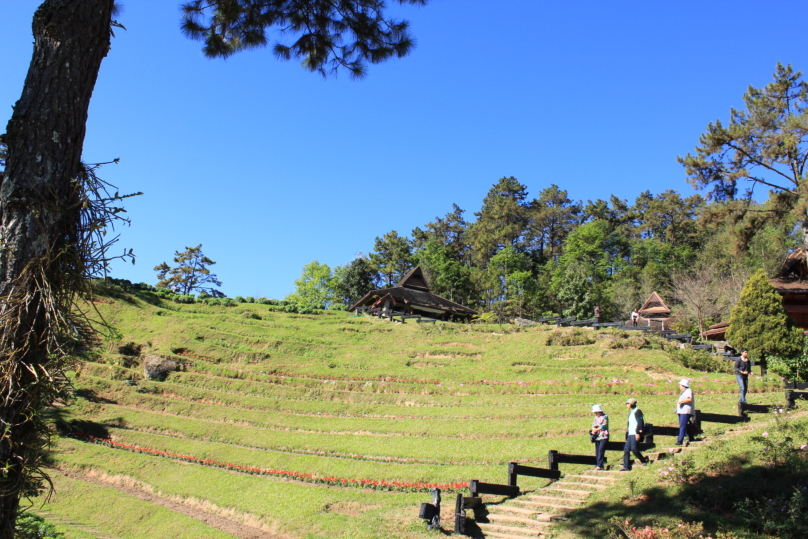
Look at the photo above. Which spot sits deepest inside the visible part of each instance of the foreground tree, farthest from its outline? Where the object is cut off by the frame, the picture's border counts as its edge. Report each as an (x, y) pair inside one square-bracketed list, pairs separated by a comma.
[(765, 145), (392, 257), (41, 210), (191, 274), (760, 323), (354, 281)]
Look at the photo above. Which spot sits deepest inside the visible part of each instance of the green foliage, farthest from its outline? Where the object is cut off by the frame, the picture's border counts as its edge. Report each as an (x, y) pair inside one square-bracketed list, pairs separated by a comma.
[(501, 221), (759, 322), (576, 337), (354, 280), (315, 287), (699, 360), (190, 274), (31, 526), (791, 368), (330, 36), (447, 275), (763, 145), (391, 257)]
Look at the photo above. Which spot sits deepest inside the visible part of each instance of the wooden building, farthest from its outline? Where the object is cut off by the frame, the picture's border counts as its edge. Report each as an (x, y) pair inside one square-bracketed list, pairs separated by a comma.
[(412, 296), (654, 313), (792, 283)]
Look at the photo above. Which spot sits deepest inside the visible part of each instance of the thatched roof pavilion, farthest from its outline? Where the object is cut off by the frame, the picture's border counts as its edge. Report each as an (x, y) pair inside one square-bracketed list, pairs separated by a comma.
[(412, 296)]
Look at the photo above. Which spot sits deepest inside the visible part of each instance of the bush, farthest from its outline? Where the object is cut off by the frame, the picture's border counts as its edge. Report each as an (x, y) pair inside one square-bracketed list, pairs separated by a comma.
[(251, 315), (249, 299), (213, 301), (336, 306), (263, 301), (240, 299), (30, 526), (229, 302), (185, 298), (699, 360), (577, 337)]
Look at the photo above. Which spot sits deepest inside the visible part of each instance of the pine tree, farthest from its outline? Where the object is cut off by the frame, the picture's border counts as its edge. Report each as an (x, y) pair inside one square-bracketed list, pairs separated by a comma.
[(354, 281), (760, 323), (190, 274)]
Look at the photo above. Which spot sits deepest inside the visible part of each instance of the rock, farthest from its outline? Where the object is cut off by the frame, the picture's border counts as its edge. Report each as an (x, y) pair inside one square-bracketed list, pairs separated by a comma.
[(523, 322), (156, 367)]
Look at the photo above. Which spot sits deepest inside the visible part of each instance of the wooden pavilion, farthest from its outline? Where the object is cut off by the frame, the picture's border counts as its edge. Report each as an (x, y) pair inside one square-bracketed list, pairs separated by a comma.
[(654, 313), (412, 296), (792, 284)]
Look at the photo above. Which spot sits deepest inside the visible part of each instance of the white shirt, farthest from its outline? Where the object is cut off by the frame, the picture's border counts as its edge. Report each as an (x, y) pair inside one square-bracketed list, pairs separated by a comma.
[(686, 409)]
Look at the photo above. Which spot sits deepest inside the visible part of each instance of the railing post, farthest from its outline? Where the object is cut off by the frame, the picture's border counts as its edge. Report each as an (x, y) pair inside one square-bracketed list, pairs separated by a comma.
[(512, 474), (460, 516), (551, 459)]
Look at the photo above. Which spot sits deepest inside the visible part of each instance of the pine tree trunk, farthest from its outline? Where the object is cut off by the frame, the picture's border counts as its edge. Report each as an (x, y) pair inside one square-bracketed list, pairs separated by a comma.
[(45, 137)]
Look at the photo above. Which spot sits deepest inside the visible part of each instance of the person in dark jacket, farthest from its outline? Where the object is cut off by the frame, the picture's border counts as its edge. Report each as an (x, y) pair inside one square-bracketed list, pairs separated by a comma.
[(742, 369), (636, 424)]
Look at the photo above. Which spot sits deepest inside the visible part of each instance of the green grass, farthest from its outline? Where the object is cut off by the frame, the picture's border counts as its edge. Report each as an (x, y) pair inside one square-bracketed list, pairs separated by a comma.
[(349, 397)]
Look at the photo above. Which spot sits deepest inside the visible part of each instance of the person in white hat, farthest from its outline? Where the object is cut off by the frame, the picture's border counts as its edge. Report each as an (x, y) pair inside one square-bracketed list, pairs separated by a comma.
[(685, 408), (600, 435)]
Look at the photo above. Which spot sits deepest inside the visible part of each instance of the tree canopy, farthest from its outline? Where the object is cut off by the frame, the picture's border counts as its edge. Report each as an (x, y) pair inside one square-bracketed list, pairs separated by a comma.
[(191, 274)]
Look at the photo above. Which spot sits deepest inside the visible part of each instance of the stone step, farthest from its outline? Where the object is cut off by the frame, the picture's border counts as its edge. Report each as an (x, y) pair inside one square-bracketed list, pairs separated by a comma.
[(498, 535), (571, 492), (592, 477), (498, 528), (548, 505), (527, 522), (552, 499), (579, 484), (513, 509)]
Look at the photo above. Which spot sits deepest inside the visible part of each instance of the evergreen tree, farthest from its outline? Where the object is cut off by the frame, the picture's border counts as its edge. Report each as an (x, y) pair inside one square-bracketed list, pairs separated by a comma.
[(552, 217), (354, 281), (315, 287), (501, 221), (764, 145), (449, 231), (447, 276), (191, 274), (760, 323), (392, 257)]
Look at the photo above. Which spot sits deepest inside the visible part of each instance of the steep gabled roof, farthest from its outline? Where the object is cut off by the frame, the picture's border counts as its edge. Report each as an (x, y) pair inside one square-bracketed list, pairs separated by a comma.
[(654, 305), (794, 266), (415, 298), (414, 279)]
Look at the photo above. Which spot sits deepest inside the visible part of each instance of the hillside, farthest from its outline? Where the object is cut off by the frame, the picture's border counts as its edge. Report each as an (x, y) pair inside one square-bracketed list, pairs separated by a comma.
[(329, 425)]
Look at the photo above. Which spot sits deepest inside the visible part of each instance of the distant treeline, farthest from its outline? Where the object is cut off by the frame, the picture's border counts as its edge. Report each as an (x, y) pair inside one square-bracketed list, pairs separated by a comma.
[(554, 255)]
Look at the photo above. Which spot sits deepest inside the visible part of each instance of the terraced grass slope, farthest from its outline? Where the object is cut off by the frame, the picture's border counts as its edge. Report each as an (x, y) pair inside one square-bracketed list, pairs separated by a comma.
[(283, 425)]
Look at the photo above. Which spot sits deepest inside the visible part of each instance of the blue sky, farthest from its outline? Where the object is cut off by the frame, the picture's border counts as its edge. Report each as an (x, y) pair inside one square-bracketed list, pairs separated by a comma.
[(270, 167)]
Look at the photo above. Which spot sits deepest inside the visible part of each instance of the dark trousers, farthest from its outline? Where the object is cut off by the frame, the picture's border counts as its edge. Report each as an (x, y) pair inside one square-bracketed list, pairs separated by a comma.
[(600, 453), (634, 323), (683, 429), (743, 385), (631, 447)]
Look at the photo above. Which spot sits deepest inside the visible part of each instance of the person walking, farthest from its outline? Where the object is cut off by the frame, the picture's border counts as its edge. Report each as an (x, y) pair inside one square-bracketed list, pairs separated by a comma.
[(742, 369), (635, 316), (685, 408), (600, 435), (636, 424), (597, 313)]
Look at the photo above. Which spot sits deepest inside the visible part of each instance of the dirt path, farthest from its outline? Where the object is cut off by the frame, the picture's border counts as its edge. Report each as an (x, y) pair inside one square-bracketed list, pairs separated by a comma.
[(222, 523)]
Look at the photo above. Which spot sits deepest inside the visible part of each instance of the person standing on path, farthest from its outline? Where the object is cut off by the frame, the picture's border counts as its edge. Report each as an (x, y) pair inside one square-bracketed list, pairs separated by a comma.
[(600, 431), (742, 369), (685, 407), (636, 424), (635, 316), (597, 313)]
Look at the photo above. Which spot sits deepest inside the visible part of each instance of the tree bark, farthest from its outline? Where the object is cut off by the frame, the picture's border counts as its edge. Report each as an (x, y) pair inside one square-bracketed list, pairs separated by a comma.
[(45, 137)]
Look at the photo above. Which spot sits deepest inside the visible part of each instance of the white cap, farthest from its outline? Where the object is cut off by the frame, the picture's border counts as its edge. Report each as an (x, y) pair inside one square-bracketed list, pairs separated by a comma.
[(684, 382), (597, 408)]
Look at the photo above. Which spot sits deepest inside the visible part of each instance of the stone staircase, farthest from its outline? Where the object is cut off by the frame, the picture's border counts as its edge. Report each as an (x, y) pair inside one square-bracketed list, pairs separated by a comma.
[(532, 514)]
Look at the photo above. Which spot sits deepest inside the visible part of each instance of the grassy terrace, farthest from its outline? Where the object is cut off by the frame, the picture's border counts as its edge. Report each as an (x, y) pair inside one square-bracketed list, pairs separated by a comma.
[(330, 425)]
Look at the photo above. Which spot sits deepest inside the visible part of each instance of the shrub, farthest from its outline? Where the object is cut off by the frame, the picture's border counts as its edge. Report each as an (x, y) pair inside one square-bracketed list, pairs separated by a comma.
[(699, 360), (213, 301), (576, 337), (240, 299), (336, 306), (251, 315), (229, 302), (185, 298), (760, 323), (30, 526), (249, 299), (263, 301)]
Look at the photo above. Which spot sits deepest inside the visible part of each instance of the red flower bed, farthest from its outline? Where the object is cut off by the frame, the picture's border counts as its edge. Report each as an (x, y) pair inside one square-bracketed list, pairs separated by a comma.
[(399, 486)]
